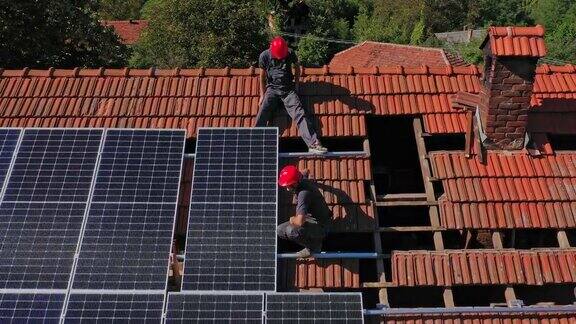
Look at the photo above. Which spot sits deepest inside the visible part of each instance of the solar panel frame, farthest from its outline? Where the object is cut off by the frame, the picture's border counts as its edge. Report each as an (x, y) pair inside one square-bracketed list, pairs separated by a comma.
[(194, 303), (292, 307), (275, 238), (3, 156), (98, 134), (27, 306), (89, 284), (96, 301)]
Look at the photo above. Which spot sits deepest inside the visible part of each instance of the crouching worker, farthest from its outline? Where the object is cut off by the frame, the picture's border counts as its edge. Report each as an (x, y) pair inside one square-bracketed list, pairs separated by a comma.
[(279, 86), (308, 227)]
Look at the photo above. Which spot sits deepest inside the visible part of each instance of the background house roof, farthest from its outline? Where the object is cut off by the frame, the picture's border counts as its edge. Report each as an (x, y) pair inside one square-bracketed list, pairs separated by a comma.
[(368, 54), (129, 31)]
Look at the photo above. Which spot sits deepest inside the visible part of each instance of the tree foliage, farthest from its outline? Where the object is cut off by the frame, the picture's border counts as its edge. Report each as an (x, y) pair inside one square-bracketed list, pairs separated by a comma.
[(120, 9), (60, 33), (190, 33)]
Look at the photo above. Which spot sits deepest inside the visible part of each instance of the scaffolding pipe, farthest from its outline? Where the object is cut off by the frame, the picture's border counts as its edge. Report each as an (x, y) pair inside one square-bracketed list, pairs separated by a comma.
[(470, 310), (333, 255)]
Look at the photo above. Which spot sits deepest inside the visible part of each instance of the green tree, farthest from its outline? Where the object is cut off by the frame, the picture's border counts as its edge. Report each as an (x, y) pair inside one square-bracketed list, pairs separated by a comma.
[(561, 40), (120, 9), (190, 33), (59, 33)]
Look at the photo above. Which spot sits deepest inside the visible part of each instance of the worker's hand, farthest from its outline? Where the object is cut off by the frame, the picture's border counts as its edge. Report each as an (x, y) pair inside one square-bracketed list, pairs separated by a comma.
[(311, 219), (297, 220), (260, 101)]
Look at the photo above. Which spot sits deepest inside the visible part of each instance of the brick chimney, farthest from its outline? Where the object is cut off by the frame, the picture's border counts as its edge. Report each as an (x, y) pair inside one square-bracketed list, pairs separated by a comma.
[(510, 58)]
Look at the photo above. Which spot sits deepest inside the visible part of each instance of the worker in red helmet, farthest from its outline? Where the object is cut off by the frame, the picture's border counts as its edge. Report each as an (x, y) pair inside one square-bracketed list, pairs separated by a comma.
[(308, 226), (278, 84)]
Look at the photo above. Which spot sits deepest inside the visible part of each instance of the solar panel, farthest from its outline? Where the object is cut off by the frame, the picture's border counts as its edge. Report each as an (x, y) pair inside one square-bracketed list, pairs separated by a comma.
[(214, 308), (8, 142), (108, 307), (140, 166), (31, 307), (54, 165), (231, 242), (126, 243), (314, 308), (44, 205)]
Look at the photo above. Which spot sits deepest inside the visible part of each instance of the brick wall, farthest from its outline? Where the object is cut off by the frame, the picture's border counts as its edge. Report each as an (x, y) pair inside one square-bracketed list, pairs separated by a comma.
[(507, 93)]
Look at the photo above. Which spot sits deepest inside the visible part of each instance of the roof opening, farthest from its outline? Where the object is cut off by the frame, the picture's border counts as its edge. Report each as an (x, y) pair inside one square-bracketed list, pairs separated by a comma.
[(473, 239), (564, 142), (407, 241), (403, 216), (531, 238), (415, 297), (349, 242), (445, 142), (549, 294), (190, 146), (571, 234), (394, 155), (368, 270), (478, 295)]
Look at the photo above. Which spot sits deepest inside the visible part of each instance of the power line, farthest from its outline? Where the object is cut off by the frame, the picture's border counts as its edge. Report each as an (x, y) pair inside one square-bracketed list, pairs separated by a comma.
[(328, 40)]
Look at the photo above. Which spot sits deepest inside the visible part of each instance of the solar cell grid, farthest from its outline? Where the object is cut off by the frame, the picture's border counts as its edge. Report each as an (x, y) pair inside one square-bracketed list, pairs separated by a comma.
[(126, 243), (54, 165), (231, 242), (214, 308), (31, 307), (314, 308), (140, 166), (109, 307), (8, 142)]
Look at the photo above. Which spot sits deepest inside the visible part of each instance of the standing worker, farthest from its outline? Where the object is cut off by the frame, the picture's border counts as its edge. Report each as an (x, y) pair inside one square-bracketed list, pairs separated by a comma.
[(277, 83), (308, 226)]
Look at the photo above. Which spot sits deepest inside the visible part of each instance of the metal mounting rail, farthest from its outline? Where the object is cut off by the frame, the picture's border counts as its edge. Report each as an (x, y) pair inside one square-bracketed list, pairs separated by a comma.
[(470, 310), (307, 154), (334, 255)]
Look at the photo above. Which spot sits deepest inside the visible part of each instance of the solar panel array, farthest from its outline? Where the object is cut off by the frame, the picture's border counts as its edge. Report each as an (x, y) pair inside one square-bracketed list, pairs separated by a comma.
[(314, 308), (8, 142), (115, 308), (214, 308), (43, 207), (31, 307), (231, 241), (130, 223)]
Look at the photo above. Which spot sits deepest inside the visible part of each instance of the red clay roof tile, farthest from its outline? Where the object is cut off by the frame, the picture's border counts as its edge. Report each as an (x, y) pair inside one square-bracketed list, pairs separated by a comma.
[(129, 31), (517, 41), (504, 267)]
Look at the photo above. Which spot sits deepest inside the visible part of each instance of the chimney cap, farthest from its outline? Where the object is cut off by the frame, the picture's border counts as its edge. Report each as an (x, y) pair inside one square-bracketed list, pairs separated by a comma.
[(515, 41)]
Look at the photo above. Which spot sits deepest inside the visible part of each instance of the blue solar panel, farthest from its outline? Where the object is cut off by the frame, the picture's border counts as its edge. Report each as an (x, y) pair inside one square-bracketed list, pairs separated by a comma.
[(214, 308), (314, 308), (54, 165), (115, 308), (140, 166), (231, 242), (44, 205), (8, 141), (129, 229), (31, 307)]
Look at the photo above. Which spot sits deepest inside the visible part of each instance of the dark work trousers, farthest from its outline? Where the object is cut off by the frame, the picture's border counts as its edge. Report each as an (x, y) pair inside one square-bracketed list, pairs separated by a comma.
[(293, 107), (309, 235)]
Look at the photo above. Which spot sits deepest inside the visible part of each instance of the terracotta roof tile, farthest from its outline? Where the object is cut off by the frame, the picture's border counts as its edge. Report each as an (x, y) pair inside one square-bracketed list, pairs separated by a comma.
[(484, 267), (370, 54), (517, 41), (128, 30), (310, 273), (494, 318), (512, 190)]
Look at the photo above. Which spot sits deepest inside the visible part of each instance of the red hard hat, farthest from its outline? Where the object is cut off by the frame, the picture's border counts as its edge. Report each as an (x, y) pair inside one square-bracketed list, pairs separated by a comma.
[(278, 48), (289, 176)]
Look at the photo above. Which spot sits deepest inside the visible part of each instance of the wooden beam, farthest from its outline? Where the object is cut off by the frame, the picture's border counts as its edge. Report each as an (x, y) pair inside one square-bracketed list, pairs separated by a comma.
[(497, 240), (403, 197), (563, 241), (428, 187), (405, 203), (381, 284), (509, 294), (448, 297)]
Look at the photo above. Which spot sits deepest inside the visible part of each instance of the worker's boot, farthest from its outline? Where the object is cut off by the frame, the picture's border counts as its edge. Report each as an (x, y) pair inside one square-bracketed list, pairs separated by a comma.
[(317, 148), (304, 253)]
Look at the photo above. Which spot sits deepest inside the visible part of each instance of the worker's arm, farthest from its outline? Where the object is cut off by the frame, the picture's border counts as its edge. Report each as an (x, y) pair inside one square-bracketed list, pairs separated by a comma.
[(262, 85), (303, 201)]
